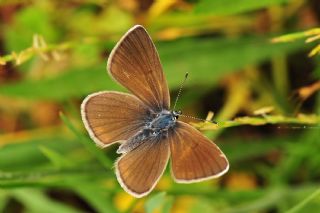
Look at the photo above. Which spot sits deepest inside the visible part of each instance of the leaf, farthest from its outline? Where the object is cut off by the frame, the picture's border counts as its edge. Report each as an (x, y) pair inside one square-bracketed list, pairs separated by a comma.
[(27, 154), (298, 207), (316, 72), (238, 149), (3, 200), (203, 206), (155, 202), (269, 199), (29, 21), (168, 204), (118, 21), (206, 60), (223, 8), (36, 201), (88, 144), (70, 84), (298, 35), (56, 158), (98, 197)]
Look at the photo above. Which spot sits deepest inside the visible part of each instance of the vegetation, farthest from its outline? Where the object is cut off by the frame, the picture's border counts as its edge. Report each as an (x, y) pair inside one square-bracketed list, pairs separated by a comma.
[(255, 64)]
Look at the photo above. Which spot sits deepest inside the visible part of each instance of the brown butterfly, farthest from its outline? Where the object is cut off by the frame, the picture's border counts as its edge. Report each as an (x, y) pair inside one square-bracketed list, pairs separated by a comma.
[(143, 123)]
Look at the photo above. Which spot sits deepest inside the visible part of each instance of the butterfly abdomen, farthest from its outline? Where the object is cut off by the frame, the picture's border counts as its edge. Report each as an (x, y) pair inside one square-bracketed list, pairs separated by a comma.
[(135, 141), (158, 127)]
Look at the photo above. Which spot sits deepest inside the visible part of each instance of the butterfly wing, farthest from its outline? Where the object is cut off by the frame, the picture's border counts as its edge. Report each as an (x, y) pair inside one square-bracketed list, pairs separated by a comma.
[(139, 170), (111, 117), (193, 156), (135, 64)]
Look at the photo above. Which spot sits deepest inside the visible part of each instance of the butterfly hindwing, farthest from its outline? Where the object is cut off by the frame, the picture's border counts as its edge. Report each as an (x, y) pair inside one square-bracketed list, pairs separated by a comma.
[(193, 156), (139, 170)]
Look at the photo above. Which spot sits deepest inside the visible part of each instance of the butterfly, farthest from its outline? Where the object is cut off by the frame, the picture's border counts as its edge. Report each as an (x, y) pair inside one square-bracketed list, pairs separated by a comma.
[(142, 122)]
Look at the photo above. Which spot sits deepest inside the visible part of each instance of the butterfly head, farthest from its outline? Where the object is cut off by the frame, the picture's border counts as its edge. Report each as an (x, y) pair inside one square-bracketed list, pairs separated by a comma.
[(176, 113)]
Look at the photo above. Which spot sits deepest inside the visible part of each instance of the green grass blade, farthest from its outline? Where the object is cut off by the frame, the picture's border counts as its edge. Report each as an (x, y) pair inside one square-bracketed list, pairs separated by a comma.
[(88, 144), (37, 201), (206, 60), (303, 203), (221, 7)]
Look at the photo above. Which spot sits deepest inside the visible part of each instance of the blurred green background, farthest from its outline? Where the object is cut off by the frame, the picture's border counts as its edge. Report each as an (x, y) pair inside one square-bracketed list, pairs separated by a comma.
[(264, 96)]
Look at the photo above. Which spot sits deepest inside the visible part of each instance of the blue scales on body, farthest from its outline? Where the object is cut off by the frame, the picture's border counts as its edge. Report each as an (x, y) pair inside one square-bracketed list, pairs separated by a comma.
[(157, 127)]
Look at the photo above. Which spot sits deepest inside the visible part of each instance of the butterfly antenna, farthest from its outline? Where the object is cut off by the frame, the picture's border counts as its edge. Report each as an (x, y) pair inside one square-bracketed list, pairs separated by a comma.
[(199, 119), (180, 89)]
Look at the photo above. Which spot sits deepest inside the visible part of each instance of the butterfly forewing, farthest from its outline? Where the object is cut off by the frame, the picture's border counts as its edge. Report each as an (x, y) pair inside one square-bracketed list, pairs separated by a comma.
[(113, 116), (193, 156), (139, 170), (135, 64)]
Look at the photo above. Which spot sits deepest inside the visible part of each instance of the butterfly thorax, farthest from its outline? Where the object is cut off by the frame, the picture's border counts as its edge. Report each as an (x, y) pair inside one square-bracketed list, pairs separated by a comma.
[(158, 126), (162, 122)]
